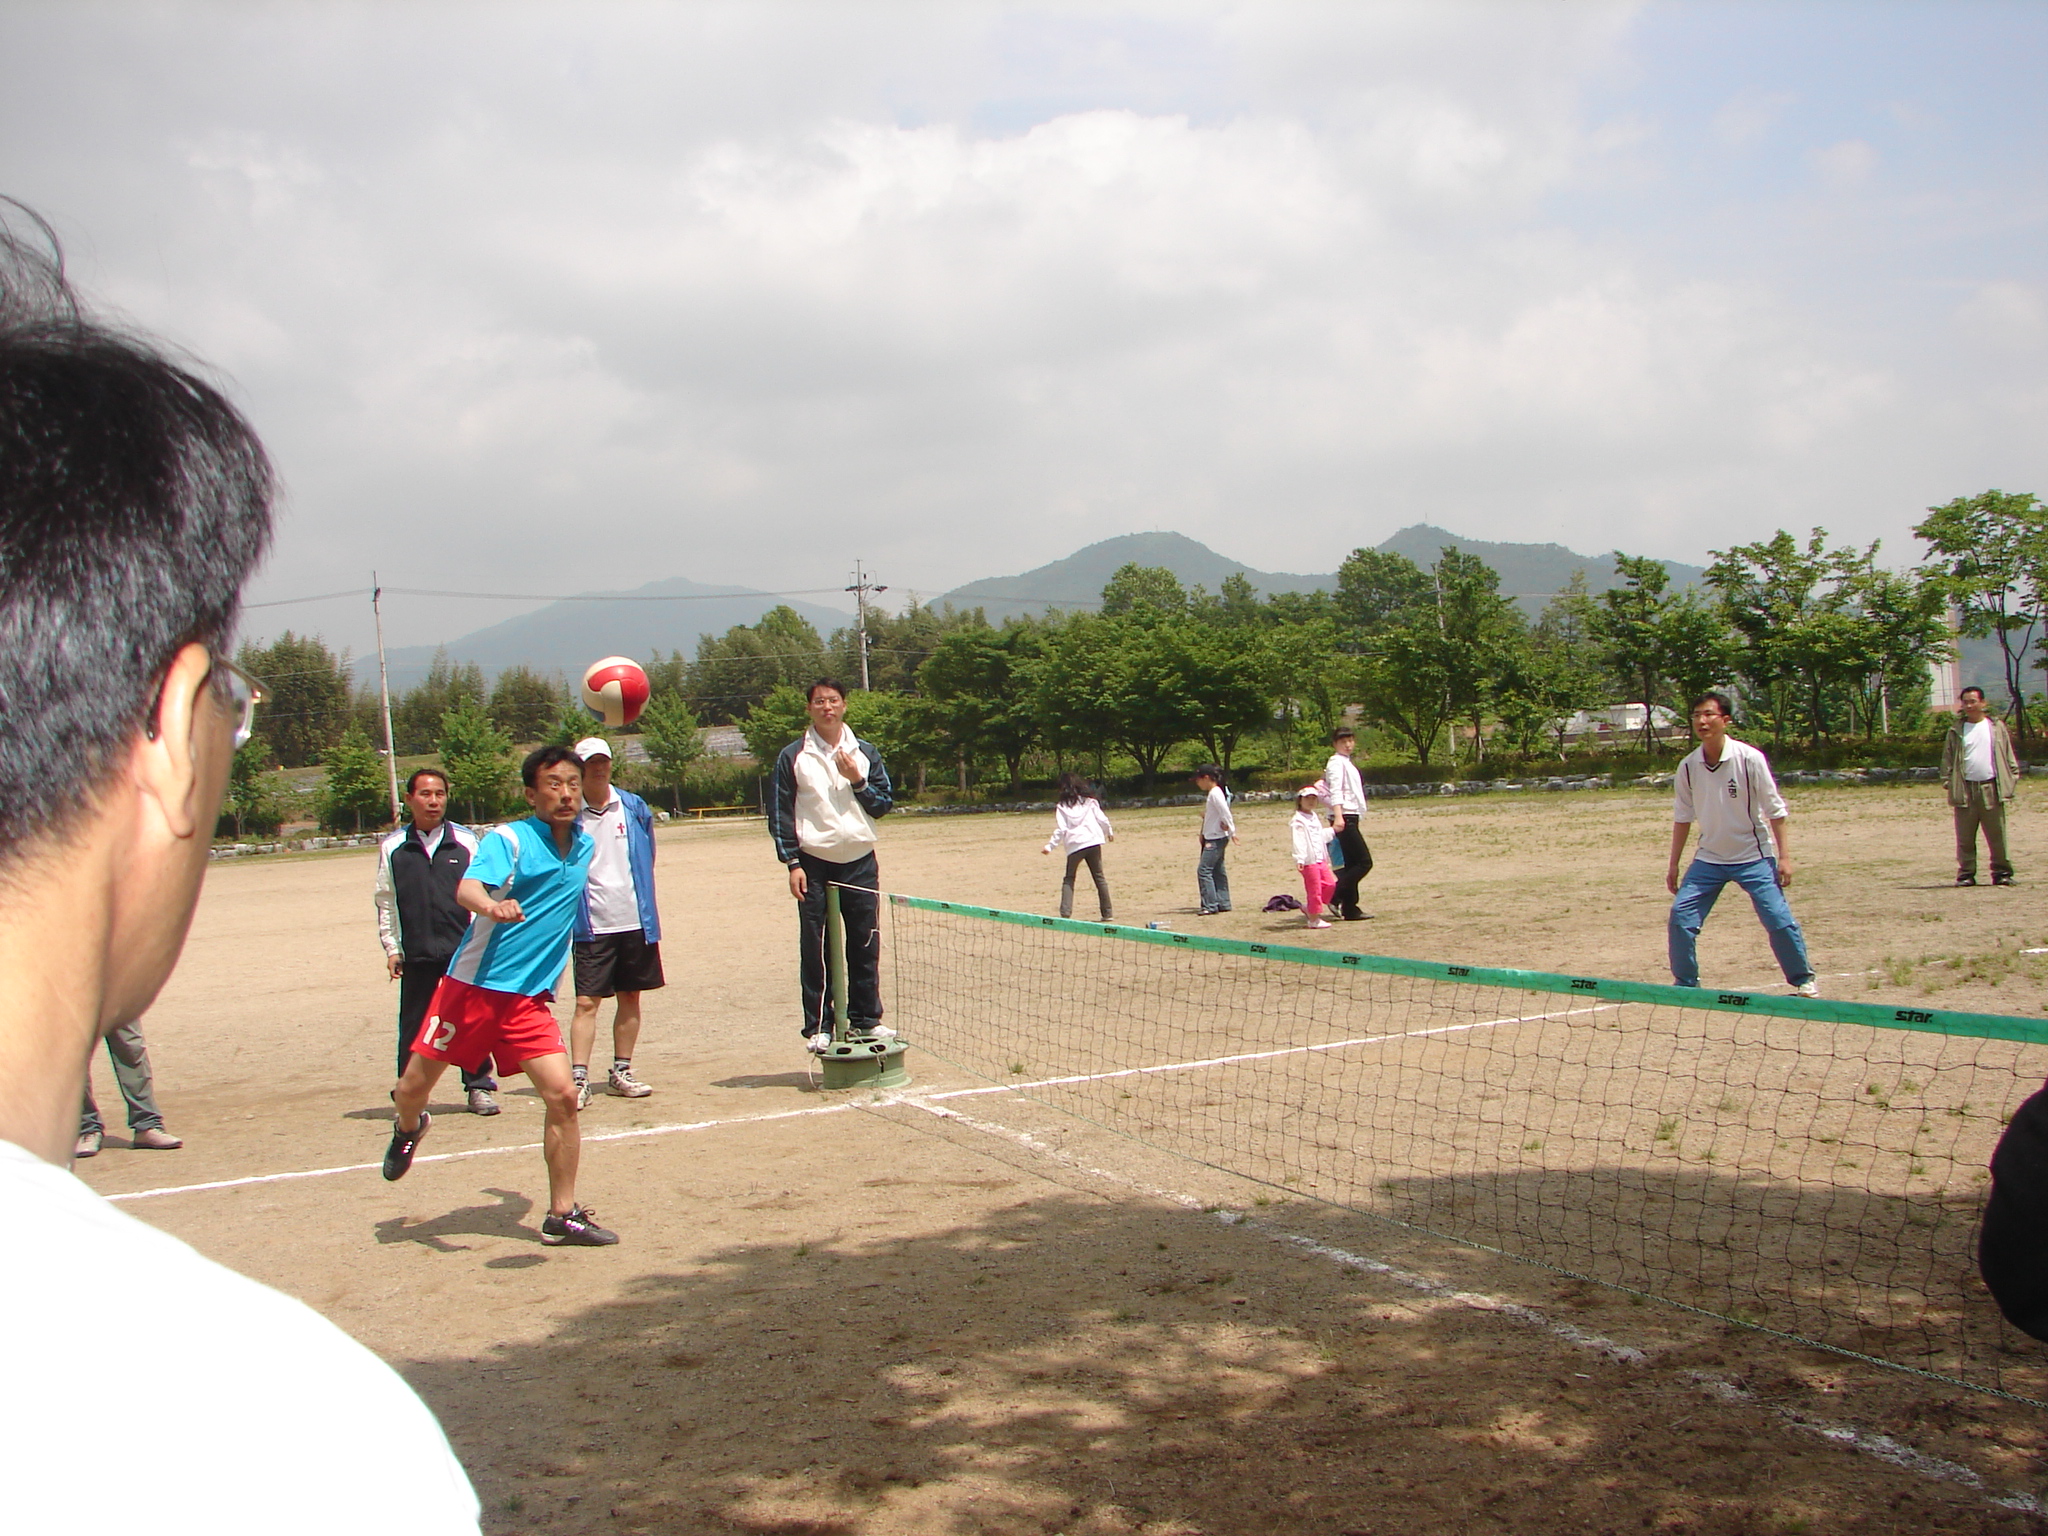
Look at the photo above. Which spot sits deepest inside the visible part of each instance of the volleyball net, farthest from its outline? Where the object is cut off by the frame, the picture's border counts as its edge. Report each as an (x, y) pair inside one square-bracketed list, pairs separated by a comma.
[(1812, 1167)]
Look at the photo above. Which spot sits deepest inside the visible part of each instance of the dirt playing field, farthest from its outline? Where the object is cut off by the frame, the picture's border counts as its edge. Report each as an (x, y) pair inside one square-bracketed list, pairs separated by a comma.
[(975, 1315)]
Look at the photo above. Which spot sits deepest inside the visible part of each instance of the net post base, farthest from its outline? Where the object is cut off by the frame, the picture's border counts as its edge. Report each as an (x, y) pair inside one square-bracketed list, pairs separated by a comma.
[(863, 1061)]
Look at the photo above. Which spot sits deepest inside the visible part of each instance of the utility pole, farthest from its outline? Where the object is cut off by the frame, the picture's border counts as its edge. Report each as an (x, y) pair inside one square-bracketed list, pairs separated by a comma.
[(860, 589), (384, 695)]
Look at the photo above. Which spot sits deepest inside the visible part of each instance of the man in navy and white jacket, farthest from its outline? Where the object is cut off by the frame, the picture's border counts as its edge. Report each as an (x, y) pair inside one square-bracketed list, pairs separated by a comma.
[(618, 929), (419, 921), (828, 787)]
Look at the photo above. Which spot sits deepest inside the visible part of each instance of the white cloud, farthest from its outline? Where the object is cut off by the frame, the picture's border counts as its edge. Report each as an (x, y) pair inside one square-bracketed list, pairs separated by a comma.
[(2010, 315), (1747, 120), (757, 289), (1846, 164)]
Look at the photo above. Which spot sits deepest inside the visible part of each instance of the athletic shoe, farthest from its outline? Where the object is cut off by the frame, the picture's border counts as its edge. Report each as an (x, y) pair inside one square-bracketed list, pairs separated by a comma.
[(882, 1032), (88, 1144), (482, 1102), (2004, 879), (582, 1094), (1357, 917), (578, 1229), (626, 1085), (1317, 922), (156, 1139), (398, 1156), (1808, 988), (1968, 879), (818, 1044)]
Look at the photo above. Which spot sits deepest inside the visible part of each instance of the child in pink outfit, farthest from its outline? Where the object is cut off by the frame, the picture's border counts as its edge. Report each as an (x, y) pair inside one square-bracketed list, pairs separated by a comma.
[(1312, 853)]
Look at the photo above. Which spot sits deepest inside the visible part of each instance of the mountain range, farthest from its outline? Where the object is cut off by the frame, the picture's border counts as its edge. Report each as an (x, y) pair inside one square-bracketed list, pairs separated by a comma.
[(670, 615)]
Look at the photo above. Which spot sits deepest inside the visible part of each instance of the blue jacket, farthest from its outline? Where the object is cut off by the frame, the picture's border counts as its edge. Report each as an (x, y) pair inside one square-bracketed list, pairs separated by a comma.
[(876, 795), (640, 859)]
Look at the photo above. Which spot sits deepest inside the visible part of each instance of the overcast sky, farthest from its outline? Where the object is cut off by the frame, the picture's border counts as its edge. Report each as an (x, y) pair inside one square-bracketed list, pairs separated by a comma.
[(548, 298)]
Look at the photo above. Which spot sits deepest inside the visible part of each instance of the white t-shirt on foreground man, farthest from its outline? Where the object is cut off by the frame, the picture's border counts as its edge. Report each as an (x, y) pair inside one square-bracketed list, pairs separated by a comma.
[(144, 1386)]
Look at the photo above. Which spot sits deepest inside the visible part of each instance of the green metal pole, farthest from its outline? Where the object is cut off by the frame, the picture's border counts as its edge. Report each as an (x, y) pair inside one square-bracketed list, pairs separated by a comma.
[(835, 950)]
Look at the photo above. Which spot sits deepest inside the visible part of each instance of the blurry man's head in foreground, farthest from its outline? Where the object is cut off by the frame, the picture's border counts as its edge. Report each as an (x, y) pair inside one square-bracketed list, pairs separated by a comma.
[(134, 501)]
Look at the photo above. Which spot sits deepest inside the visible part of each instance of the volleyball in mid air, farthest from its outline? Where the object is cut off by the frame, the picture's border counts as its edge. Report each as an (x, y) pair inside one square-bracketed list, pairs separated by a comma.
[(615, 689)]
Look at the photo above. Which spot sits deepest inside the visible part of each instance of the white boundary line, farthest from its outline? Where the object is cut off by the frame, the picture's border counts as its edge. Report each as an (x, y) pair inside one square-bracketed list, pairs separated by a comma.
[(830, 1109), (451, 1157), (954, 1093)]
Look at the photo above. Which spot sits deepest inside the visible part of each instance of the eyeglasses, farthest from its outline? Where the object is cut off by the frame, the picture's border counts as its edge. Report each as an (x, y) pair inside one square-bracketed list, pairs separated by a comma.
[(243, 693)]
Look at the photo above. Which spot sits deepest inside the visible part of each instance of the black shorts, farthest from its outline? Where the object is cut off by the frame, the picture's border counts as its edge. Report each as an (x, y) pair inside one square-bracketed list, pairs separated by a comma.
[(617, 962)]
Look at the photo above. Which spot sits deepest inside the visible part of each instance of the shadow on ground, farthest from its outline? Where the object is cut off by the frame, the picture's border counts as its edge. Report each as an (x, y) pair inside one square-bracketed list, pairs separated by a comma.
[(505, 1217), (1070, 1365)]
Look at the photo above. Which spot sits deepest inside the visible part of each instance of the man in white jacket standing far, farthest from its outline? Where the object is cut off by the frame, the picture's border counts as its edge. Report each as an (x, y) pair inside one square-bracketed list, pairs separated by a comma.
[(1347, 808), (1726, 787)]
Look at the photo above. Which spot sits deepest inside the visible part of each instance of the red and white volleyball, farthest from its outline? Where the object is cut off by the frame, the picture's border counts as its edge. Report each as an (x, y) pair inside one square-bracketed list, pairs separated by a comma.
[(616, 690)]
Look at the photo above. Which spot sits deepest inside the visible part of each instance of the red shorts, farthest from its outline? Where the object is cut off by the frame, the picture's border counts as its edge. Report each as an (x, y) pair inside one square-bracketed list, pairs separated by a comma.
[(468, 1025)]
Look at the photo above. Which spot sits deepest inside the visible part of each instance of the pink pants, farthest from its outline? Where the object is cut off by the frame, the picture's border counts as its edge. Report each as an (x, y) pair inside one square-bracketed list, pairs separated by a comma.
[(1319, 880)]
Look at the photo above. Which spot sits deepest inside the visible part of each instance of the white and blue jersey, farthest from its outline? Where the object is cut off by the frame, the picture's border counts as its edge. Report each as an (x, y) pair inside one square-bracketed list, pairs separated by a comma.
[(521, 861)]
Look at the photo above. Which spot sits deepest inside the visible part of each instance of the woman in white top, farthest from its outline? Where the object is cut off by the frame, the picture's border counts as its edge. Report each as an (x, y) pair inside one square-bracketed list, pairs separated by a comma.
[(1219, 831), (1080, 827)]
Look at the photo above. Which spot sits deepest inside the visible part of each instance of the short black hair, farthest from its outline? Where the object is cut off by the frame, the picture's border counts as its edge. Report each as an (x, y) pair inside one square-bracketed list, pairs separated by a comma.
[(1340, 733), (1209, 771), (543, 757), (1718, 699), (134, 502), (412, 781), (1973, 688), (833, 683)]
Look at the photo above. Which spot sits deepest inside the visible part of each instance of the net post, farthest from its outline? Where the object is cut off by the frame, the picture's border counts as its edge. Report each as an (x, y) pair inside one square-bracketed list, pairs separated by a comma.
[(835, 953), (865, 1060)]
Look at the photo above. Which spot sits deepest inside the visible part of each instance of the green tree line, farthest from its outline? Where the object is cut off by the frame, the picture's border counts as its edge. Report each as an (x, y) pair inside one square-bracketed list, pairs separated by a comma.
[(1819, 642)]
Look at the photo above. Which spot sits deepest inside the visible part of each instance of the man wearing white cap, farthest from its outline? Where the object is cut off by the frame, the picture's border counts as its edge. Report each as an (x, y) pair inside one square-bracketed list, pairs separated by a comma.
[(618, 930)]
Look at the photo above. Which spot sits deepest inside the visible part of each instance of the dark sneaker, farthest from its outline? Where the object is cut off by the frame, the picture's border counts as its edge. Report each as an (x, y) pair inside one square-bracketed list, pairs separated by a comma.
[(398, 1156), (2004, 879), (482, 1102), (579, 1228), (1966, 879)]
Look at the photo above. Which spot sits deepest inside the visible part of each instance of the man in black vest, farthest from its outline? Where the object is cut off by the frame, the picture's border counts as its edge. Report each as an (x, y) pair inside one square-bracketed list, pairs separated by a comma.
[(418, 868)]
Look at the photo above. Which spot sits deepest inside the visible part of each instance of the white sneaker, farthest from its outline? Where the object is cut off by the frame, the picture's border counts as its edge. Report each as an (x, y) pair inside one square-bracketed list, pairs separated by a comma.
[(819, 1043), (1808, 988), (882, 1032), (1317, 922), (582, 1094), (626, 1085)]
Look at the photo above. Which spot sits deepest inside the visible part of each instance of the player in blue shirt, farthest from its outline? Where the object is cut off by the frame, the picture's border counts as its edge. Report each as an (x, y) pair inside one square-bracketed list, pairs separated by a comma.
[(523, 888)]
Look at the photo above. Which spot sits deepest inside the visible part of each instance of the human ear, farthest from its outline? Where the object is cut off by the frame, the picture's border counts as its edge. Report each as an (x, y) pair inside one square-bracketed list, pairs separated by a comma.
[(168, 760)]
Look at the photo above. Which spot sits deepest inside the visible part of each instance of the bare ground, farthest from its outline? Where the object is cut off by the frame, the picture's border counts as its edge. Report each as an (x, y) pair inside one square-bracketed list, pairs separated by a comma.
[(833, 1315)]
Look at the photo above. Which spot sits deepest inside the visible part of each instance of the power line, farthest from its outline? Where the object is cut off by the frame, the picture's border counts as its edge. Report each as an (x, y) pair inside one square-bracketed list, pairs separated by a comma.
[(642, 597)]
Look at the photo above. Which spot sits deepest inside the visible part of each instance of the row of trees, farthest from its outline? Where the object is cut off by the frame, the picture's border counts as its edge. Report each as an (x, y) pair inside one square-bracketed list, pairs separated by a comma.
[(314, 701), (1819, 640)]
